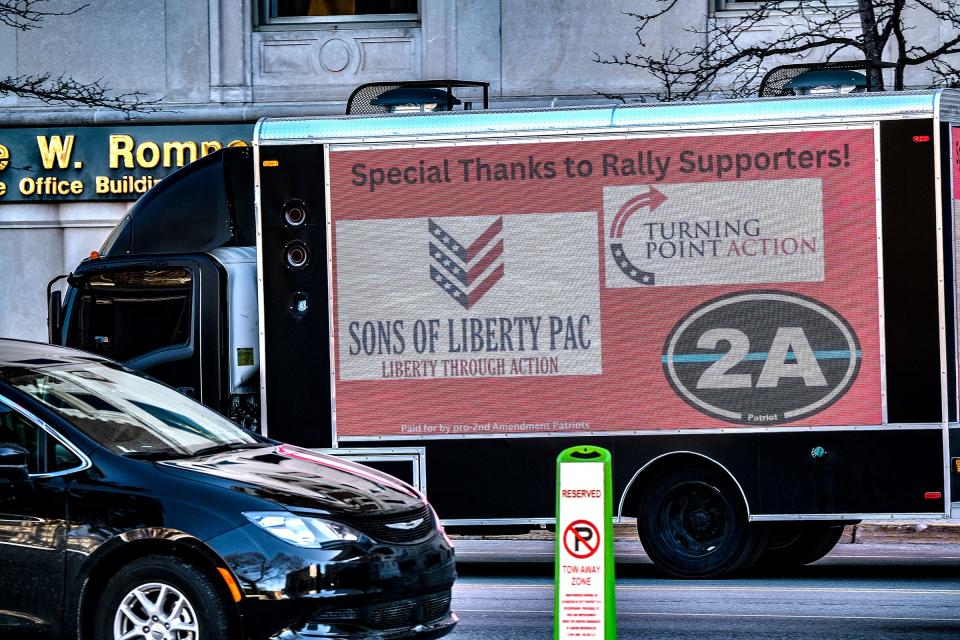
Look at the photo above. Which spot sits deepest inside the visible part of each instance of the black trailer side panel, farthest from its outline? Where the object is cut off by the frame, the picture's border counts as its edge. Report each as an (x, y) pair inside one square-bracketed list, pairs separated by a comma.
[(859, 472), (954, 470), (911, 291), (296, 352), (863, 471), (949, 266)]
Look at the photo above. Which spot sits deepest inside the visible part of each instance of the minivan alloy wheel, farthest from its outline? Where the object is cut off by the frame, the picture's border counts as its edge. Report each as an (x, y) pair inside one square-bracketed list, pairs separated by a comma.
[(155, 611)]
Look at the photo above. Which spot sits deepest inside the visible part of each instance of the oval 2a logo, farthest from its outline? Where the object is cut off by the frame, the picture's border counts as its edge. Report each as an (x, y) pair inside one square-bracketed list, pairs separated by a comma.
[(761, 357)]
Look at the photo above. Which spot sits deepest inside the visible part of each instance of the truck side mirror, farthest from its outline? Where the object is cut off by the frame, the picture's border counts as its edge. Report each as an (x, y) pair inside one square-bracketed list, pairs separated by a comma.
[(55, 310), (54, 319)]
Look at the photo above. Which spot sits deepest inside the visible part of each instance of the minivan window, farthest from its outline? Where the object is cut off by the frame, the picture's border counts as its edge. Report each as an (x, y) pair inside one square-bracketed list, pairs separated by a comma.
[(45, 454), (128, 413), (14, 429)]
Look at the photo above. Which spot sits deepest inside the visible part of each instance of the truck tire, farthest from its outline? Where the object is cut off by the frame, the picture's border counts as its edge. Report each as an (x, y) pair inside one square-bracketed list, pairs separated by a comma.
[(161, 597), (693, 524), (795, 544)]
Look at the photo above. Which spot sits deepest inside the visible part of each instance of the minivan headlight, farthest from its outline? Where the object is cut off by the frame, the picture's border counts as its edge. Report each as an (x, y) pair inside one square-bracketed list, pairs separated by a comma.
[(300, 530)]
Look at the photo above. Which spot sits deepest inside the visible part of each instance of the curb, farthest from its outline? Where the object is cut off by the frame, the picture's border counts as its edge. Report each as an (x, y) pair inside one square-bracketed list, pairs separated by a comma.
[(922, 532)]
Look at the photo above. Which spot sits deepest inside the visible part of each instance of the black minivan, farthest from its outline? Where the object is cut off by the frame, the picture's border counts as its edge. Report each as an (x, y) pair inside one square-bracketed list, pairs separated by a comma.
[(130, 512)]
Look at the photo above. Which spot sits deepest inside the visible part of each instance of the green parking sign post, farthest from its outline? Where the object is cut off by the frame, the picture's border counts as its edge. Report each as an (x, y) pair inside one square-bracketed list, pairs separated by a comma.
[(584, 600)]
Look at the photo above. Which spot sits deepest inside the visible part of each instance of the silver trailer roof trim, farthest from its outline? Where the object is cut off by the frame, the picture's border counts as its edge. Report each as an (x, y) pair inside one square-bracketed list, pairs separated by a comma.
[(949, 106), (463, 124)]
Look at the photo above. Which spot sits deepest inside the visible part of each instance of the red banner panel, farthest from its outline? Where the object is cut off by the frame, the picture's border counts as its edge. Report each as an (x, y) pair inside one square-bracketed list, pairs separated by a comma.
[(674, 282)]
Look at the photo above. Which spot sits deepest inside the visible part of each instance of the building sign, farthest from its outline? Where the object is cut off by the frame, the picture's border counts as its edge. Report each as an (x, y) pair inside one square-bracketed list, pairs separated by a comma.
[(661, 282), (103, 163)]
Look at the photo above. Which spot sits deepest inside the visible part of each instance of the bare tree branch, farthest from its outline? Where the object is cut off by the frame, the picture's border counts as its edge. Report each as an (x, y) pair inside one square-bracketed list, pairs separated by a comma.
[(66, 90), (28, 14), (730, 53), (945, 74)]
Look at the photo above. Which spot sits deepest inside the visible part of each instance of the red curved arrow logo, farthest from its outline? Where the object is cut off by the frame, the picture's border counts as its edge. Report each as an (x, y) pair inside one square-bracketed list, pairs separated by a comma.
[(651, 198)]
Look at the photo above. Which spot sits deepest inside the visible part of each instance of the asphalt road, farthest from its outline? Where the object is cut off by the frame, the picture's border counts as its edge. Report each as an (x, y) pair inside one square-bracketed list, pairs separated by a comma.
[(859, 591)]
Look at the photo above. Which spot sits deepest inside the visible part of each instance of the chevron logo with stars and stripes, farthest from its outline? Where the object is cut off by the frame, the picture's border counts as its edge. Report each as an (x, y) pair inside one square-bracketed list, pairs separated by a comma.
[(466, 272)]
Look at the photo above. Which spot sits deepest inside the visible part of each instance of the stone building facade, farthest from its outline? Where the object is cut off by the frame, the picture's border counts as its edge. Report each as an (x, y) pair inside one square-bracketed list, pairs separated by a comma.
[(208, 62)]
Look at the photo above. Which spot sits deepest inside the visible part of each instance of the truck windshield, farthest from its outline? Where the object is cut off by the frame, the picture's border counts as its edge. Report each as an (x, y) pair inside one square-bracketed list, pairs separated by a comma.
[(126, 313), (129, 413)]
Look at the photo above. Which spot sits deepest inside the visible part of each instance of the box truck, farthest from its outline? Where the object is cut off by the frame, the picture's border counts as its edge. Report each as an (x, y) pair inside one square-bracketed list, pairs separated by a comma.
[(751, 304)]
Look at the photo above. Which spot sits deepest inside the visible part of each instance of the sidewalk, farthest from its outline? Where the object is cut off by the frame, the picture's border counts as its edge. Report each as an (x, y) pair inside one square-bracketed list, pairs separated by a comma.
[(889, 531), (927, 531), (537, 547)]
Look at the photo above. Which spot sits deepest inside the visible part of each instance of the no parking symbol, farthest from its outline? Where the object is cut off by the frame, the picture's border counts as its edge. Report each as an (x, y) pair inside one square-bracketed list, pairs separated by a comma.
[(581, 539)]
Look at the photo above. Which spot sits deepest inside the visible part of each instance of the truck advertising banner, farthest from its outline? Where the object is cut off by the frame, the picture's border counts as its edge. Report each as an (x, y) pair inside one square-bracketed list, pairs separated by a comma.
[(638, 283)]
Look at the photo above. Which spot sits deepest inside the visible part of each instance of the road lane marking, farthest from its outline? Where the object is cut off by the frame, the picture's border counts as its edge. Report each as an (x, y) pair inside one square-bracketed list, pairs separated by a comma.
[(653, 614), (942, 592)]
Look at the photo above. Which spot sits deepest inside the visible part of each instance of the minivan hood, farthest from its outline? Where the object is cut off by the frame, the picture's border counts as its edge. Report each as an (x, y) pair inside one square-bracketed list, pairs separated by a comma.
[(301, 480)]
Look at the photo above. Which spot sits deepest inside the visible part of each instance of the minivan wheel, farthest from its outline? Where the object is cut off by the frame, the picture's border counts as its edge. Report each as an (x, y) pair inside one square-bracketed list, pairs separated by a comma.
[(693, 524), (161, 598)]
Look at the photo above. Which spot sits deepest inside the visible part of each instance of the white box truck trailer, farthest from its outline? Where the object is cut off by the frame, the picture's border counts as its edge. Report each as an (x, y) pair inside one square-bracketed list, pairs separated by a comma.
[(751, 304)]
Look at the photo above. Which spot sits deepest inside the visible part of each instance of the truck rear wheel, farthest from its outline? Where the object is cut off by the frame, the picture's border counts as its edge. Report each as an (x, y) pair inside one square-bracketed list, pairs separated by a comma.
[(693, 524), (794, 544)]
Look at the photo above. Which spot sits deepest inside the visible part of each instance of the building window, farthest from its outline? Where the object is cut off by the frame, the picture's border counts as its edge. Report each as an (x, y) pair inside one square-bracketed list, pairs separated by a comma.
[(321, 12), (741, 5)]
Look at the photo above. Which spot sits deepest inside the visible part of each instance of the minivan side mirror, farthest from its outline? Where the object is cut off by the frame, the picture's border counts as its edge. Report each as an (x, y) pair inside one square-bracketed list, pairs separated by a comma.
[(13, 464)]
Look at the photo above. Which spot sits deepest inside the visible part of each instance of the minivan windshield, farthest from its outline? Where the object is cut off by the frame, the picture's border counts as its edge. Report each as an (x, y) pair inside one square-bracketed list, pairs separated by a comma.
[(130, 414)]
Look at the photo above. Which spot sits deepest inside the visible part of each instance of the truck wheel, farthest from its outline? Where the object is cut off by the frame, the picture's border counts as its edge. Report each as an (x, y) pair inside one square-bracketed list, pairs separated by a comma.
[(693, 524), (795, 544), (161, 598)]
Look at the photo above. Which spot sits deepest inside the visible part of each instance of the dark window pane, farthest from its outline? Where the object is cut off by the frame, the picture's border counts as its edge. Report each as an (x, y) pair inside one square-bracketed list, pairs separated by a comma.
[(59, 458), (296, 8), (14, 429), (127, 314)]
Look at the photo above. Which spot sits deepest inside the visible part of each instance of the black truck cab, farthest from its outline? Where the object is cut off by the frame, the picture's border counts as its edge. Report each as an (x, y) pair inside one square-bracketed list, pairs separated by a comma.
[(161, 303)]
